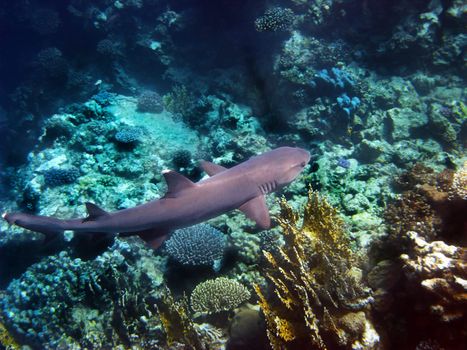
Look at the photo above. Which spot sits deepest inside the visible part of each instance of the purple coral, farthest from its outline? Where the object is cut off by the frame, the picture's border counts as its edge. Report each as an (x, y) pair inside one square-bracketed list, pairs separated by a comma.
[(344, 163)]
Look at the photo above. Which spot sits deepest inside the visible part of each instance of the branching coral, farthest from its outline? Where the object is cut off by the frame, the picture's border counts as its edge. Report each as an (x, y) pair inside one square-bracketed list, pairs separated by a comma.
[(197, 245), (219, 294), (178, 326), (317, 297)]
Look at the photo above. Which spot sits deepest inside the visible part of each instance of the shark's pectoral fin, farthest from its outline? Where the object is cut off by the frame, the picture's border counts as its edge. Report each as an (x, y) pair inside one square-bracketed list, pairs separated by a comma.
[(153, 238), (211, 168), (94, 212), (256, 210), (176, 182)]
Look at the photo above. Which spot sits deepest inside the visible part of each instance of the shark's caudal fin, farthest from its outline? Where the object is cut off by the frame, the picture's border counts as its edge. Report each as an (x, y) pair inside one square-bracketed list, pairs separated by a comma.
[(256, 210), (211, 168), (50, 227), (176, 183)]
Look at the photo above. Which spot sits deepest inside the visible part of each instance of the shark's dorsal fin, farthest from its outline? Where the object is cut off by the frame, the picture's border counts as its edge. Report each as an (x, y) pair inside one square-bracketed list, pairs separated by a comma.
[(176, 182), (94, 212), (211, 168), (256, 210)]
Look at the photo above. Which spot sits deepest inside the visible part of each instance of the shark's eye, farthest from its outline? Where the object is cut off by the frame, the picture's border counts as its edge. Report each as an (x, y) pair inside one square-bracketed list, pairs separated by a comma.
[(303, 164)]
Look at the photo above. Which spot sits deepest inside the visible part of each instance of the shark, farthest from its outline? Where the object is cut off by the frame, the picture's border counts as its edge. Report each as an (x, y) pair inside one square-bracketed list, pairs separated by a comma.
[(186, 203)]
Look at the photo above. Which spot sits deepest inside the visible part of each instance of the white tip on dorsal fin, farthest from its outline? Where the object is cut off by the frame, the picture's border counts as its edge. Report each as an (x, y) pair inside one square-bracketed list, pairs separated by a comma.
[(256, 210), (211, 168), (94, 211), (176, 182)]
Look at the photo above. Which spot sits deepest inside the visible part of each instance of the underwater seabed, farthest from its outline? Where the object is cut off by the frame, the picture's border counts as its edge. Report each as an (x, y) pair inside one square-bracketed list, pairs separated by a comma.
[(368, 245), (307, 281)]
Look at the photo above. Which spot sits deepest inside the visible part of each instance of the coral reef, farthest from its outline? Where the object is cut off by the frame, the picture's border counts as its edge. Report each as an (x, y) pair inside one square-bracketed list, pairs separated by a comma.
[(181, 159), (335, 78), (375, 90), (129, 135), (52, 63), (150, 101), (7, 341), (108, 295), (302, 57), (197, 245), (181, 331), (275, 19), (60, 176), (431, 205), (317, 297), (220, 294), (180, 100), (178, 326), (109, 48), (422, 261), (438, 272)]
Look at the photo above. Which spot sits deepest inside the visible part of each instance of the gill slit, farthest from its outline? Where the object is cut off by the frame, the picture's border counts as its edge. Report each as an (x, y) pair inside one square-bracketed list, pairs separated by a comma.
[(268, 187)]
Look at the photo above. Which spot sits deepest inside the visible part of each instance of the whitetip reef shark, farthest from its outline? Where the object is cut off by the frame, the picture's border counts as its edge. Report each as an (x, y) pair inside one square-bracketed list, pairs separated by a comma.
[(186, 203)]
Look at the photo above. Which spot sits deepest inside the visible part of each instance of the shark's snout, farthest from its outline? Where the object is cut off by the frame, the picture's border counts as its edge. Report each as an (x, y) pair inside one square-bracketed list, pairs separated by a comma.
[(306, 155)]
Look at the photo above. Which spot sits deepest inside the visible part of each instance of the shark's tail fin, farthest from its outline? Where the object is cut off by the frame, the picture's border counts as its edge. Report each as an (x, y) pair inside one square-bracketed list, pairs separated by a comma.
[(50, 227)]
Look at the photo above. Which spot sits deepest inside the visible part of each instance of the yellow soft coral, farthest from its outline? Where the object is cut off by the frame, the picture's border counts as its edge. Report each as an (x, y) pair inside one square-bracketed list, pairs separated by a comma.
[(6, 339), (311, 280), (178, 326)]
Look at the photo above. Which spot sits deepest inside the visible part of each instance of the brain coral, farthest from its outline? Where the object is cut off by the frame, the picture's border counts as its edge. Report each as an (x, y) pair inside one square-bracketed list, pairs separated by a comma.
[(216, 295), (197, 245)]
